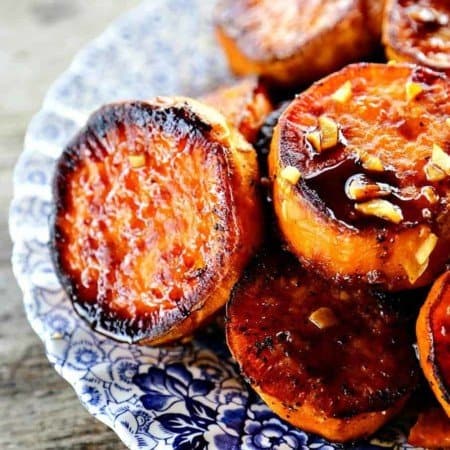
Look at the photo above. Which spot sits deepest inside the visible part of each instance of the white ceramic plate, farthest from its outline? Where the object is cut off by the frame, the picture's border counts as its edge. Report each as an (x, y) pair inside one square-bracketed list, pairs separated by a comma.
[(185, 397)]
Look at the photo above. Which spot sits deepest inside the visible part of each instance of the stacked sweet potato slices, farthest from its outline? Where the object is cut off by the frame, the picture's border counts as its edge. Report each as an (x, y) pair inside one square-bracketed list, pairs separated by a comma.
[(160, 216)]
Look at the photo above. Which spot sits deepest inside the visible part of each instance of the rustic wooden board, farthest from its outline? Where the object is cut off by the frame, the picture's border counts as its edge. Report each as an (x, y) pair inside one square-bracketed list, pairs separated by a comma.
[(38, 38)]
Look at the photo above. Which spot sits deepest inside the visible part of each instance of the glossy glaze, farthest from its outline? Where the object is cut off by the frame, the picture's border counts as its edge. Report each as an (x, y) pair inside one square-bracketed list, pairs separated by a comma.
[(137, 237), (362, 363)]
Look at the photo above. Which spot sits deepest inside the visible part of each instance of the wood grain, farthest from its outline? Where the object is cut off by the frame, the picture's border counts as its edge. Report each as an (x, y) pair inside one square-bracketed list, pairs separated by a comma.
[(38, 39)]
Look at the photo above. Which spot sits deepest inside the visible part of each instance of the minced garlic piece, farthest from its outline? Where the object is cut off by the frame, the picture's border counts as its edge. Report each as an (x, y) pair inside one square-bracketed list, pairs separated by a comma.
[(291, 174), (382, 209), (323, 318), (414, 270), (447, 121), (315, 140), (371, 162), (360, 188), (430, 194), (426, 248), (440, 159), (412, 89), (137, 160), (433, 173), (344, 93), (330, 132)]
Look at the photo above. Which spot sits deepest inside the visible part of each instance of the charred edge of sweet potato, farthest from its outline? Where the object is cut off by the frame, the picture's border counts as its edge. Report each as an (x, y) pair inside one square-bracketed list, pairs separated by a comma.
[(444, 389), (103, 319), (395, 48), (262, 265)]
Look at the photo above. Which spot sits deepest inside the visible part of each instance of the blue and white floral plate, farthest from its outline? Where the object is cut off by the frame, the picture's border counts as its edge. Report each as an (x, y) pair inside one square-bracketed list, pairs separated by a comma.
[(185, 397)]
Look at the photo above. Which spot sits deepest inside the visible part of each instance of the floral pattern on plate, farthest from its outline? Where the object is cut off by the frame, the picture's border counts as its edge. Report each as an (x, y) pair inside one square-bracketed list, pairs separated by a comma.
[(183, 397)]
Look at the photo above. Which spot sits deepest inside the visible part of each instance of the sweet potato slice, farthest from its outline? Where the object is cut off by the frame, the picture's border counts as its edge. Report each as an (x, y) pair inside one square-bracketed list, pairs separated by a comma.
[(418, 31), (332, 361), (433, 339), (245, 104), (373, 11), (432, 430), (157, 213), (370, 148), (292, 42)]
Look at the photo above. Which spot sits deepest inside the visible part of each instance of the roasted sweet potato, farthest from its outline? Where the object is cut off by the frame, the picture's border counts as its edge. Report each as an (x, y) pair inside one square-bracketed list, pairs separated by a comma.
[(432, 430), (292, 43), (373, 11), (245, 104), (332, 361), (433, 339), (157, 213), (361, 175), (418, 31)]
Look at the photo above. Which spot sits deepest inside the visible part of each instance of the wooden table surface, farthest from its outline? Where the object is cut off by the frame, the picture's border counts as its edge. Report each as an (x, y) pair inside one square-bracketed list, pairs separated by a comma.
[(38, 39)]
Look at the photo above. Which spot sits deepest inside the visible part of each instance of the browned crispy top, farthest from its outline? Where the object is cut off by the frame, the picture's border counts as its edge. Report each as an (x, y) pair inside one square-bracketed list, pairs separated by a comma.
[(143, 205), (303, 341)]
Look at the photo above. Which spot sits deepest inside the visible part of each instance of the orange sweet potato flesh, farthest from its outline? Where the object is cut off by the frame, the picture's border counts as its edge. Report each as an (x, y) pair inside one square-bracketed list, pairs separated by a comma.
[(432, 430), (157, 213), (377, 121), (433, 339), (245, 104), (292, 43), (342, 381), (418, 31)]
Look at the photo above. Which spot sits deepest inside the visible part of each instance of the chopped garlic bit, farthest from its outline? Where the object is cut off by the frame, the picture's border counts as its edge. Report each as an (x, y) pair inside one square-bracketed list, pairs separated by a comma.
[(382, 209), (291, 174), (412, 89), (323, 318), (358, 187), (414, 270), (447, 121), (430, 194), (440, 159), (426, 248), (330, 132), (315, 140), (392, 62), (137, 160), (344, 93), (432, 172), (371, 162)]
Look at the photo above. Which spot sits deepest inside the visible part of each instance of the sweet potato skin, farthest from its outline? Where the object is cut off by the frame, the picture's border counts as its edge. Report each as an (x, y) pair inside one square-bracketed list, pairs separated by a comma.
[(140, 261), (408, 39), (342, 381), (245, 104), (291, 43), (385, 125), (433, 341)]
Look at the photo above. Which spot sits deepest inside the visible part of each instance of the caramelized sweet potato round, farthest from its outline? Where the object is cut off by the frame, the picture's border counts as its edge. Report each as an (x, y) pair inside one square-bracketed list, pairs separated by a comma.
[(292, 42), (418, 31), (157, 213), (433, 339), (328, 360), (245, 104), (361, 175)]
